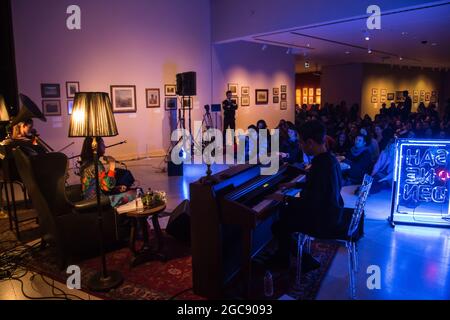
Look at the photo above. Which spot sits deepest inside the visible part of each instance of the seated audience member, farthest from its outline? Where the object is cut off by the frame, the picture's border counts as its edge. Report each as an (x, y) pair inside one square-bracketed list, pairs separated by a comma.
[(251, 144), (388, 134), (372, 144), (383, 170), (318, 212), (264, 146), (342, 145), (118, 194), (359, 160), (290, 151)]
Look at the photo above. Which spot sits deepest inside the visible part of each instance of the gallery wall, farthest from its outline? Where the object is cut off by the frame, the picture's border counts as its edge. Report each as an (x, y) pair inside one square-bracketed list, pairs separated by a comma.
[(246, 64), (121, 42)]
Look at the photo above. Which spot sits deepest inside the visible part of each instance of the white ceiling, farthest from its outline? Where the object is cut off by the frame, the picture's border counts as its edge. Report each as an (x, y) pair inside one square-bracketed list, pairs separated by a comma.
[(398, 42)]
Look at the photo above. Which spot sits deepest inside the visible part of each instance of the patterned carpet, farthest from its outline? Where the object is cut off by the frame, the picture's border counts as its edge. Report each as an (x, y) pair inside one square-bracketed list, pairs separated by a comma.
[(156, 280)]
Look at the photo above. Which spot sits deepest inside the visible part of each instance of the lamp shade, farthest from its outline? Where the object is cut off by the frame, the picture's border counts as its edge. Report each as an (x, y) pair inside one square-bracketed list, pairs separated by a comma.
[(92, 116), (4, 115)]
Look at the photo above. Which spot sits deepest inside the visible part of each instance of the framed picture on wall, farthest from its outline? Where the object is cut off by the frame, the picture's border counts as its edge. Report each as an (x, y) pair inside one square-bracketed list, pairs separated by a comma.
[(170, 90), (153, 99), (51, 107), (391, 96), (276, 91), (318, 92), (69, 107), (311, 92), (383, 99), (245, 101), (383, 92), (311, 100), (374, 99), (123, 99), (375, 92), (415, 92), (188, 103), (261, 96), (283, 105), (305, 92), (422, 93), (233, 87), (50, 90), (318, 100), (170, 103), (276, 99), (427, 96), (283, 97), (284, 88), (72, 87), (305, 100), (245, 91), (416, 99)]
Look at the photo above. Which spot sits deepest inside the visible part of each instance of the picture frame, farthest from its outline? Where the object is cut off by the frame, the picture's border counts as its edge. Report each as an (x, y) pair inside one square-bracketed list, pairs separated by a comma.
[(318, 92), (434, 93), (305, 92), (311, 92), (284, 97), (261, 96), (283, 105), (233, 87), (170, 90), (284, 88), (51, 107), (416, 99), (245, 91), (153, 98), (235, 100), (383, 99), (170, 103), (276, 99), (69, 107), (383, 92), (422, 93), (399, 96), (415, 92), (305, 100), (375, 91), (310, 100), (245, 101), (427, 96), (374, 99), (391, 96), (188, 103), (123, 98), (72, 87), (276, 91), (50, 90), (318, 99)]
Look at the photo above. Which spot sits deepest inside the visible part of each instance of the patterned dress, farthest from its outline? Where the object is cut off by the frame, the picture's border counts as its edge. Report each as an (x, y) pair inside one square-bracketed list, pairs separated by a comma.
[(107, 185)]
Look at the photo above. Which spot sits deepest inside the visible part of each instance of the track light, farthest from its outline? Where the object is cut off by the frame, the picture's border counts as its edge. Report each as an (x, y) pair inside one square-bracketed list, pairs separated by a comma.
[(264, 47), (369, 51)]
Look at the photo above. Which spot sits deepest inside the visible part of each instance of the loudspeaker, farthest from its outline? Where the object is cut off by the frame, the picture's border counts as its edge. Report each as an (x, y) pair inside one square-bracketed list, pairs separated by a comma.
[(174, 170), (187, 84), (179, 225)]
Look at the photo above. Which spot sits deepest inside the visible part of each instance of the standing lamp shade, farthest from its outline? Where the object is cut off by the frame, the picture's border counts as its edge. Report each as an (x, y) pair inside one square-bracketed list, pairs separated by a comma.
[(92, 116), (4, 115)]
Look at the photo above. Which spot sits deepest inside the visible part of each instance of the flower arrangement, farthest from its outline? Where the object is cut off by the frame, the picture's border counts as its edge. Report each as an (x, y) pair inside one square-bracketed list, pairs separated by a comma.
[(154, 199)]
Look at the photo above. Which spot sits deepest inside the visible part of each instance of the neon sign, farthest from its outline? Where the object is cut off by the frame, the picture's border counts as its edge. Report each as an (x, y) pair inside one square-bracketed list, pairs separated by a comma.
[(421, 182)]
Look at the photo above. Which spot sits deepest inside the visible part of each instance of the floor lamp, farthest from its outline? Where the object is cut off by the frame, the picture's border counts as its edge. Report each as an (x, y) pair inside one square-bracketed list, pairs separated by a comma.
[(92, 116)]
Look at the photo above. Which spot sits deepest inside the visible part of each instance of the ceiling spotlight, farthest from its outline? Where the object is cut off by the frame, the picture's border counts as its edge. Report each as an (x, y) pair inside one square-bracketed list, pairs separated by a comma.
[(308, 45), (369, 51), (367, 38), (404, 33), (347, 52), (264, 47), (400, 58)]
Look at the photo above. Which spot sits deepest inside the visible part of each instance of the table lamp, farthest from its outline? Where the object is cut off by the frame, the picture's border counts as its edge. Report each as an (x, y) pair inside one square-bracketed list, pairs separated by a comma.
[(92, 116)]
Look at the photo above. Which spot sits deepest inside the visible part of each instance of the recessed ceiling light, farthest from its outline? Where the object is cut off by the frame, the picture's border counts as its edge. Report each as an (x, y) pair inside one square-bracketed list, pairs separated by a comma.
[(367, 38), (434, 44), (404, 33), (347, 52), (401, 58), (308, 45), (369, 51)]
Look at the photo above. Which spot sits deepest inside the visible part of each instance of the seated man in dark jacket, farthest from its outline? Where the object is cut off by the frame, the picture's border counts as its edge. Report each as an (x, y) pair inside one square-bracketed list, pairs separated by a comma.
[(360, 161), (318, 212)]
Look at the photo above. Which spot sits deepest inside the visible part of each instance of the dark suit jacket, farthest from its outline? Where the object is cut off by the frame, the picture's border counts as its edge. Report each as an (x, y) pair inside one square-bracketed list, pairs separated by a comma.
[(229, 109)]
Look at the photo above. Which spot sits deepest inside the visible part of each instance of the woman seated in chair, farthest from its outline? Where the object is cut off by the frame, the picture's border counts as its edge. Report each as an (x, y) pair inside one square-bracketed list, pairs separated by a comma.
[(118, 194)]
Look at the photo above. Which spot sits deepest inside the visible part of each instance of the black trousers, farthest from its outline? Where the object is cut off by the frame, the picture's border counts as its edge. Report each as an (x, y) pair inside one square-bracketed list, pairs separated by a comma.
[(228, 123)]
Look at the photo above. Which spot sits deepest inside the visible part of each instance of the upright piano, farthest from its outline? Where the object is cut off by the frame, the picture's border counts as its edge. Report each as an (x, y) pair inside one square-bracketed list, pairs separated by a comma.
[(231, 219)]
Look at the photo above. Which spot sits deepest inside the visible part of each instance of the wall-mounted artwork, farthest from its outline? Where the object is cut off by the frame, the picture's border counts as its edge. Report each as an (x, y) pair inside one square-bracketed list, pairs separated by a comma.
[(311, 100), (170, 90), (427, 96), (311, 92), (262, 96), (283, 88), (50, 90), (152, 98), (391, 96), (276, 91), (171, 103), (375, 92), (233, 87), (305, 92), (72, 87), (399, 96), (188, 103), (416, 99), (383, 92), (415, 92), (284, 97), (305, 100), (51, 107), (123, 99), (245, 91), (318, 100), (374, 99), (318, 92), (422, 93), (276, 99), (245, 101), (69, 107), (283, 105), (383, 99)]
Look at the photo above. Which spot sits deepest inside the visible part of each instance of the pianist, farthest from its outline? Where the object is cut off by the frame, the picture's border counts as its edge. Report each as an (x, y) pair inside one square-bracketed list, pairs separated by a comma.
[(317, 212)]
